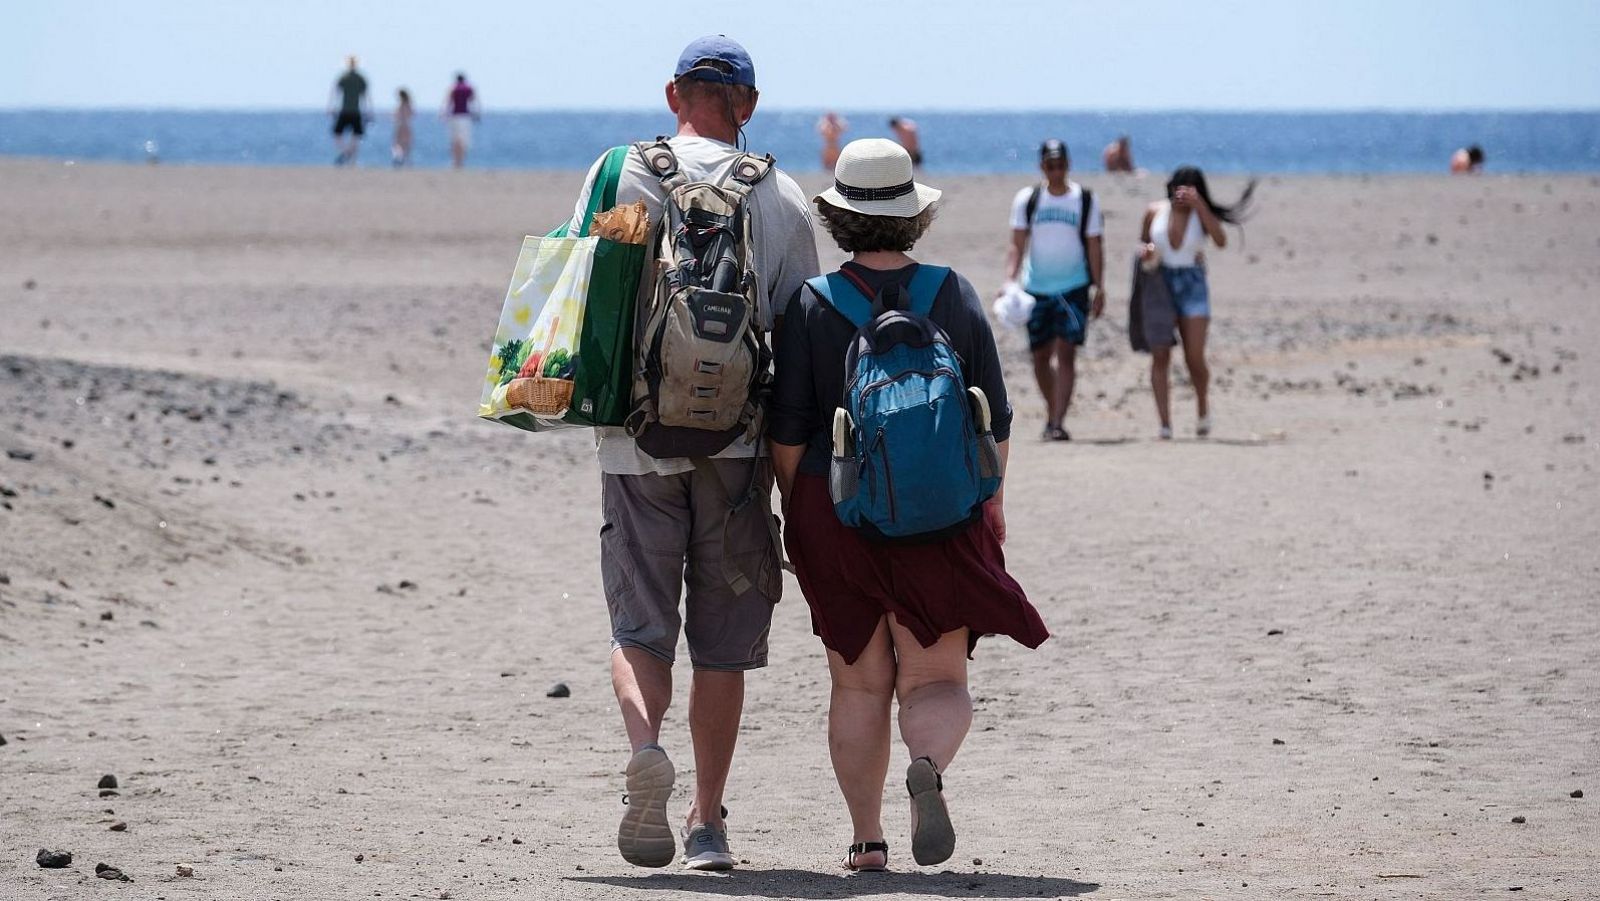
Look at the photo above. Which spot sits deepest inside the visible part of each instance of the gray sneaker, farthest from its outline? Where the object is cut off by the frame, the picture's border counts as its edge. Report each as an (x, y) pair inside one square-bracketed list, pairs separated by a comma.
[(645, 838), (705, 847)]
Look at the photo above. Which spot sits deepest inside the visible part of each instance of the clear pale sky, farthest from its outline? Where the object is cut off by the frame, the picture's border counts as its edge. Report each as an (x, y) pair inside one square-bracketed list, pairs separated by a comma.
[(874, 54)]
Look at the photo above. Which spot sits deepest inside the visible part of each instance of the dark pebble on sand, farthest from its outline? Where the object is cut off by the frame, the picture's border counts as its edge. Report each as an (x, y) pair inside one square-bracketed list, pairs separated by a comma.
[(1274, 631), (108, 793), (29, 285), (1576, 793), (20, 455), (1278, 741), (1519, 820), (559, 690), (3, 744), (105, 502), (108, 780), (360, 857), (53, 860), (407, 585), (107, 871), (118, 826), (108, 616)]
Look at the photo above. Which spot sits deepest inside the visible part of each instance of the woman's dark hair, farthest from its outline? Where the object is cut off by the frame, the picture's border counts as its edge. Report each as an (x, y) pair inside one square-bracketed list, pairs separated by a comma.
[(405, 96), (1192, 177), (1475, 155), (859, 233)]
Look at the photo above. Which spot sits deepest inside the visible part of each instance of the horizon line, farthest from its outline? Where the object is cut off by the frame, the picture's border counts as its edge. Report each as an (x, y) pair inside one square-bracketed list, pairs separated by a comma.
[(910, 110)]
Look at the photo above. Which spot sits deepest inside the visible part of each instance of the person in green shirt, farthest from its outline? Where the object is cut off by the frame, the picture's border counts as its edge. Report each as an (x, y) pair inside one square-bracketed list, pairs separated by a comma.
[(351, 110)]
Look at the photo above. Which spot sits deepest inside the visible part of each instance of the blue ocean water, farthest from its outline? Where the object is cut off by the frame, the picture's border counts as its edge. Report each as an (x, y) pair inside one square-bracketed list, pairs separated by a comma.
[(953, 141)]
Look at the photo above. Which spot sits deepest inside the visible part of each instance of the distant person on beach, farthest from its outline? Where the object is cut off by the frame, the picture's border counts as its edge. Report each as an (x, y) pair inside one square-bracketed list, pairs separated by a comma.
[(461, 111), (1174, 234), (906, 132), (1118, 155), (351, 111), (668, 520), (401, 150), (1057, 250), (898, 620), (1467, 161), (831, 127)]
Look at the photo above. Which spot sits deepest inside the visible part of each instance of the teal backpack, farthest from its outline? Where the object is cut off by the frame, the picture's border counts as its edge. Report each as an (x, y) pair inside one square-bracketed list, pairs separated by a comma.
[(913, 456)]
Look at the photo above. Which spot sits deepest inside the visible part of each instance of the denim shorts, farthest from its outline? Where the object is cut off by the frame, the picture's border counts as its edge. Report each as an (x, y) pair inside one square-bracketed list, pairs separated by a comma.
[(1064, 316), (1190, 294)]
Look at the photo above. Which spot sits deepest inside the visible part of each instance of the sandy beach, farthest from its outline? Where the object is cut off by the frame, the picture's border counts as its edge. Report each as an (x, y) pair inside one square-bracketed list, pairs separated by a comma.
[(260, 562)]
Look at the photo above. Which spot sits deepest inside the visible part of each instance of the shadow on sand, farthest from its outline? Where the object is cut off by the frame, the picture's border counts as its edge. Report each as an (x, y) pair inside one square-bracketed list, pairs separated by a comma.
[(807, 884)]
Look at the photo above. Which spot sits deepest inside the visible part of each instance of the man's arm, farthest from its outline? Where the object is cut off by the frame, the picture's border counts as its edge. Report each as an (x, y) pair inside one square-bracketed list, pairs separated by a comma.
[(1019, 246)]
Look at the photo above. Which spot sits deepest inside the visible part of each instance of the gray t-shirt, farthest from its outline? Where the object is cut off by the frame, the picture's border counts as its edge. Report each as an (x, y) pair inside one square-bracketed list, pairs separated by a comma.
[(785, 255)]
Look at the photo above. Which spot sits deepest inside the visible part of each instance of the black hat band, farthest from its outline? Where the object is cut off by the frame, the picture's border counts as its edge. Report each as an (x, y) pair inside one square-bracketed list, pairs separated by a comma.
[(891, 193)]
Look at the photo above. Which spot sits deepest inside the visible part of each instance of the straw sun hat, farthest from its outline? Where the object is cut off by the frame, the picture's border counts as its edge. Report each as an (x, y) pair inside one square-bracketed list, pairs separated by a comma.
[(874, 178)]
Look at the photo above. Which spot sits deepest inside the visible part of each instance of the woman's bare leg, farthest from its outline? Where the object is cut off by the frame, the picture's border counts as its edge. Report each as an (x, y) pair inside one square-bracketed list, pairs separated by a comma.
[(1161, 383), (858, 735), (1192, 329)]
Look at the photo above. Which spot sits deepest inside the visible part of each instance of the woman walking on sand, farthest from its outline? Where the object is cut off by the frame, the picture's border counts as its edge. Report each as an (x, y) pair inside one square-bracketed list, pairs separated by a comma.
[(1174, 235), (401, 150), (898, 617)]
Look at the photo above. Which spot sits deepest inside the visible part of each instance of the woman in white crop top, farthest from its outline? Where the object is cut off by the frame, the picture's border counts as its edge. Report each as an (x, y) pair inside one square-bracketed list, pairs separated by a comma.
[(1175, 234)]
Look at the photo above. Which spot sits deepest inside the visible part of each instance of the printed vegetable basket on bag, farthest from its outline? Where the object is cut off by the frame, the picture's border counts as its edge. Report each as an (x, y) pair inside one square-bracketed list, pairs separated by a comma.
[(562, 352)]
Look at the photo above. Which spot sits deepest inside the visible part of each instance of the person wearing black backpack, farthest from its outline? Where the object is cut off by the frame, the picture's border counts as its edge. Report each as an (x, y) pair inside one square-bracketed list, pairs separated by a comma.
[(889, 429), (670, 521), (1056, 249)]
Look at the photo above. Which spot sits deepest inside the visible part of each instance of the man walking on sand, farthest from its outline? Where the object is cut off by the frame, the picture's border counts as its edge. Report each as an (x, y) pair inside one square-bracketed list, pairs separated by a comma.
[(1056, 233), (667, 522), (351, 110)]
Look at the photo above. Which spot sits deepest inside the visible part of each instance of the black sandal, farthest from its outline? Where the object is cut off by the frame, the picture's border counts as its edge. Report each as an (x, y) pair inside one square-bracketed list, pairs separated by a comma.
[(934, 838), (867, 848)]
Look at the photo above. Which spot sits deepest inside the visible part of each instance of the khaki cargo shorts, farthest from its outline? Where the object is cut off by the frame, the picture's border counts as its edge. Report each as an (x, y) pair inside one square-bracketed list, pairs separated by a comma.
[(664, 532)]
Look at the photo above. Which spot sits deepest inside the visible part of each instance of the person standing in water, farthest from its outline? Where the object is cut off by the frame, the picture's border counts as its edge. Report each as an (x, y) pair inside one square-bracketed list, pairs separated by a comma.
[(1058, 254), (1467, 161), (403, 112), (1175, 233), (351, 111), (461, 111), (906, 132), (1118, 155), (831, 127)]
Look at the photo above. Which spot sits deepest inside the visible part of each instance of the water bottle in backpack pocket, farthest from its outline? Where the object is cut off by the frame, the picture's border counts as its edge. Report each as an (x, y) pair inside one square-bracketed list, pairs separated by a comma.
[(913, 455)]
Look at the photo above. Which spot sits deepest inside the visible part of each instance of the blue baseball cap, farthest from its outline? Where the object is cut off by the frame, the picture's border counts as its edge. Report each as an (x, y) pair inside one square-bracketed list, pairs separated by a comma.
[(716, 48)]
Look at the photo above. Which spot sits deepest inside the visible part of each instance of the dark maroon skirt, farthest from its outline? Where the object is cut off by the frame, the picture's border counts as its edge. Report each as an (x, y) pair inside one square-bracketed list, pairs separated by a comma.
[(850, 582)]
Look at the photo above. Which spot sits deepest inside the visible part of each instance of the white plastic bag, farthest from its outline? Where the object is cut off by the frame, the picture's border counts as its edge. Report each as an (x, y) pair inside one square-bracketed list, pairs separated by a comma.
[(1013, 306)]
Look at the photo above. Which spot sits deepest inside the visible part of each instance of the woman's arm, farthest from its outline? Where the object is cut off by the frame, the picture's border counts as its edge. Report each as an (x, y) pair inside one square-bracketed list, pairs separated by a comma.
[(1208, 219), (995, 510), (785, 463), (794, 402)]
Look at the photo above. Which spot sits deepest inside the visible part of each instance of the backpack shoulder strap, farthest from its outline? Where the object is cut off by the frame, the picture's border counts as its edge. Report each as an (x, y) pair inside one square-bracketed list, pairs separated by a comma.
[(1033, 206), (747, 171), (837, 291), (661, 162), (925, 285), (1083, 218)]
